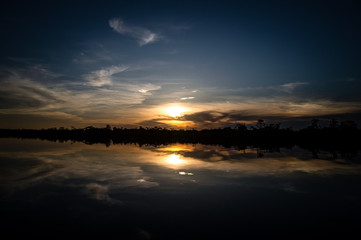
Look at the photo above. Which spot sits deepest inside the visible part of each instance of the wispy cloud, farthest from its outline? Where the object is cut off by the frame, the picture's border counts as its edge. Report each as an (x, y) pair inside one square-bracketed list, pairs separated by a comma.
[(205, 116), (23, 93), (290, 87), (143, 35), (69, 103), (104, 76), (350, 79), (186, 98), (145, 88), (249, 109), (121, 96)]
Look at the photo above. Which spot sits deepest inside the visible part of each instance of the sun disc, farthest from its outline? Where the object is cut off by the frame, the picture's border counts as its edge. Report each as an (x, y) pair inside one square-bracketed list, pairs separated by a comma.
[(175, 111)]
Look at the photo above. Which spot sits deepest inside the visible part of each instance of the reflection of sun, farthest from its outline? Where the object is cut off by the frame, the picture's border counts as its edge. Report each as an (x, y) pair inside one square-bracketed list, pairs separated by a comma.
[(174, 159), (175, 111)]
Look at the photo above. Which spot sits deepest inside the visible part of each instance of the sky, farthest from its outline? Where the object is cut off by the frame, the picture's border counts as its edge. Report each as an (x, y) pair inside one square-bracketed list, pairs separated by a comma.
[(178, 64)]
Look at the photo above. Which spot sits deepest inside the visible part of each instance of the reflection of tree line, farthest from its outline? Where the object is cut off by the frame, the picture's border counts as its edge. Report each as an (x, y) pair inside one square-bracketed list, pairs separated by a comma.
[(337, 136)]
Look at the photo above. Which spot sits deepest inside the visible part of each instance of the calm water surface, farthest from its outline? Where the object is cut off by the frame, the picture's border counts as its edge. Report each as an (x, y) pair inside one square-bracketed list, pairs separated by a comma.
[(72, 190)]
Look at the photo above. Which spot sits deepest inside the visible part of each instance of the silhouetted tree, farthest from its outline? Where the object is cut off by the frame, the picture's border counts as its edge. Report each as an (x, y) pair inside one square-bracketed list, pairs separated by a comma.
[(241, 127), (260, 124), (348, 125), (333, 123), (314, 123), (342, 138)]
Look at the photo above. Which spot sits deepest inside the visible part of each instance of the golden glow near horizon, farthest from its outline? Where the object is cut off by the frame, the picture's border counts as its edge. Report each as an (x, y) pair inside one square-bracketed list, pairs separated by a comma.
[(175, 111)]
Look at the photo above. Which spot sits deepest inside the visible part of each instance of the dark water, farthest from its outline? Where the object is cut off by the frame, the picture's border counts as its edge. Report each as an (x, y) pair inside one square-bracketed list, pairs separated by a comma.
[(63, 190)]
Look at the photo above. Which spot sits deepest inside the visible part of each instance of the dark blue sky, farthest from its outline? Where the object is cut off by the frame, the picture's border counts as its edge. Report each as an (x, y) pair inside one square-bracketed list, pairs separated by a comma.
[(178, 64)]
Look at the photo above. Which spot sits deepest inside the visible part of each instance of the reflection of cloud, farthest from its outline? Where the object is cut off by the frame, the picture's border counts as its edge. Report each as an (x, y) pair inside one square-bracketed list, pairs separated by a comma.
[(100, 192), (56, 163), (17, 170), (289, 187), (245, 161), (101, 173), (182, 173), (143, 234), (174, 159), (143, 35)]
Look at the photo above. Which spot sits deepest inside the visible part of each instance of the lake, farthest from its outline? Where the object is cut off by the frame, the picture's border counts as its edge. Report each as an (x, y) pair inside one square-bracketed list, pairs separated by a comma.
[(52, 190)]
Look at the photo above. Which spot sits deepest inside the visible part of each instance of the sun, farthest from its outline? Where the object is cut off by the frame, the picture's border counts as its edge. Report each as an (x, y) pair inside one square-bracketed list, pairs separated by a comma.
[(175, 111)]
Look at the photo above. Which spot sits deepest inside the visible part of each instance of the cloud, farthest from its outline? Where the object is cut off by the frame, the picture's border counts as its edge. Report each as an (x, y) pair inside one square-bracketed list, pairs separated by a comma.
[(175, 90), (18, 92), (254, 91), (351, 79), (104, 76), (290, 87), (205, 116), (248, 110), (143, 35), (25, 102), (143, 90), (186, 98), (125, 95), (30, 70)]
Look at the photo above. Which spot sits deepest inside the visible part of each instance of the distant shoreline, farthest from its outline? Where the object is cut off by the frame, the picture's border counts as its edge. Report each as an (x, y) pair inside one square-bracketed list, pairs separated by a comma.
[(336, 137)]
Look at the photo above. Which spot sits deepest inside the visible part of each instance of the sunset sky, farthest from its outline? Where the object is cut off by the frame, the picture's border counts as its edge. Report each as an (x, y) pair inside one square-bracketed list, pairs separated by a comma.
[(178, 64)]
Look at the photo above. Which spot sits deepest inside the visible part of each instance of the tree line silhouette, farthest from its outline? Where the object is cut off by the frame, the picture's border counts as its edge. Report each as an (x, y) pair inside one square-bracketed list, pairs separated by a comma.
[(336, 136)]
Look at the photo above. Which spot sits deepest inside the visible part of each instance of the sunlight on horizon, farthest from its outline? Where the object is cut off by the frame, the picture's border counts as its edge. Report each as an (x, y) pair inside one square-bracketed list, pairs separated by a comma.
[(175, 111)]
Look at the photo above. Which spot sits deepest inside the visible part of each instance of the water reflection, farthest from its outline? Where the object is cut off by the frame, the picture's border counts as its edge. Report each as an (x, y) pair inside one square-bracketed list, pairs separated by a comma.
[(160, 180), (174, 159), (118, 166)]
